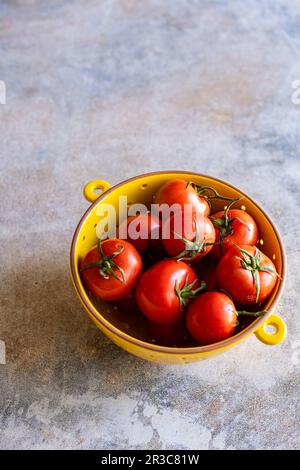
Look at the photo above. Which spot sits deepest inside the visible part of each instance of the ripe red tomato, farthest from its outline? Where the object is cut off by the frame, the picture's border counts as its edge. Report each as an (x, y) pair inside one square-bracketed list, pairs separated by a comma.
[(145, 228), (164, 290), (195, 237), (110, 270), (211, 317), (181, 192), (246, 274), (233, 226)]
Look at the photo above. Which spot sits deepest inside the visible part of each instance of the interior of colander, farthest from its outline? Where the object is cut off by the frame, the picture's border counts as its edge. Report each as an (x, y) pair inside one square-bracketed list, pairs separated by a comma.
[(125, 315)]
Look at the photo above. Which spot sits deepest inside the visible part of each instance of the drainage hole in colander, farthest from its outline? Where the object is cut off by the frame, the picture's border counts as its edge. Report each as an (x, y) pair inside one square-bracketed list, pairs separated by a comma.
[(144, 186)]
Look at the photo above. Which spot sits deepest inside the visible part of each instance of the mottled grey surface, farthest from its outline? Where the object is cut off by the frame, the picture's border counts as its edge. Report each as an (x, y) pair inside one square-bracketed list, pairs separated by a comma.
[(110, 89)]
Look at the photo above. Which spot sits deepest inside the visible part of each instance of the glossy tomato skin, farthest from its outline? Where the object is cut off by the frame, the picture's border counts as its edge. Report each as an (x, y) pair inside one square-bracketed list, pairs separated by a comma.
[(155, 292), (211, 318), (245, 232), (178, 191), (152, 228), (239, 282), (174, 246), (112, 289)]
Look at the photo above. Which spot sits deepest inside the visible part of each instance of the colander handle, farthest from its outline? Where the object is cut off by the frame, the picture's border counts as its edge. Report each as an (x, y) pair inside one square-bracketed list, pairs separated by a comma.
[(272, 338), (89, 191)]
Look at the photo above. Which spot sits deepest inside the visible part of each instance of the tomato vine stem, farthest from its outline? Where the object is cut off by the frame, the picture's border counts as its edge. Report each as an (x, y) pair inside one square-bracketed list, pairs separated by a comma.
[(224, 223), (192, 247), (106, 264), (202, 189), (187, 291), (252, 263), (253, 314)]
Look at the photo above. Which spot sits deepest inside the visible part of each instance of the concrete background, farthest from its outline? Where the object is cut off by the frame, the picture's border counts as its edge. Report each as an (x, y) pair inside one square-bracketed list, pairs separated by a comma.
[(110, 89)]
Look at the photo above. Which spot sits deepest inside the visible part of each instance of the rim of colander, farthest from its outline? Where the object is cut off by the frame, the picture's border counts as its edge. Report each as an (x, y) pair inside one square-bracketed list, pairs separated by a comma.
[(167, 349)]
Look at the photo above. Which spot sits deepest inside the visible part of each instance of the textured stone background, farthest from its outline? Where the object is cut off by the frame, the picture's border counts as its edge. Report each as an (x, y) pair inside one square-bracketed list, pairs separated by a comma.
[(111, 89)]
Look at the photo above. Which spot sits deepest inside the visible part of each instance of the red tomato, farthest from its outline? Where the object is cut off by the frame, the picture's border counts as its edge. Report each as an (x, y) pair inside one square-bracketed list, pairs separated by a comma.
[(246, 274), (181, 192), (195, 237), (233, 226), (211, 317), (164, 290), (142, 231), (111, 269)]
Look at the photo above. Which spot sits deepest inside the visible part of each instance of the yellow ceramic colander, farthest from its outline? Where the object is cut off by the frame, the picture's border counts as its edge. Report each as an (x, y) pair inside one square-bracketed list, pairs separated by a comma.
[(126, 330)]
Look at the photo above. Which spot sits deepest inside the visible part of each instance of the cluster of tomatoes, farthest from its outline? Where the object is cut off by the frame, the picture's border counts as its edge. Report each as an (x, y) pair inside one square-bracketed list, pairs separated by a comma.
[(202, 278)]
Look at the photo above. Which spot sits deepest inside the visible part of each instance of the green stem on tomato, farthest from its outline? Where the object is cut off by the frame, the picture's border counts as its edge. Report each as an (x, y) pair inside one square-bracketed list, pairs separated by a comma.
[(192, 247), (187, 291), (253, 314), (224, 223), (252, 263), (201, 190), (106, 264)]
